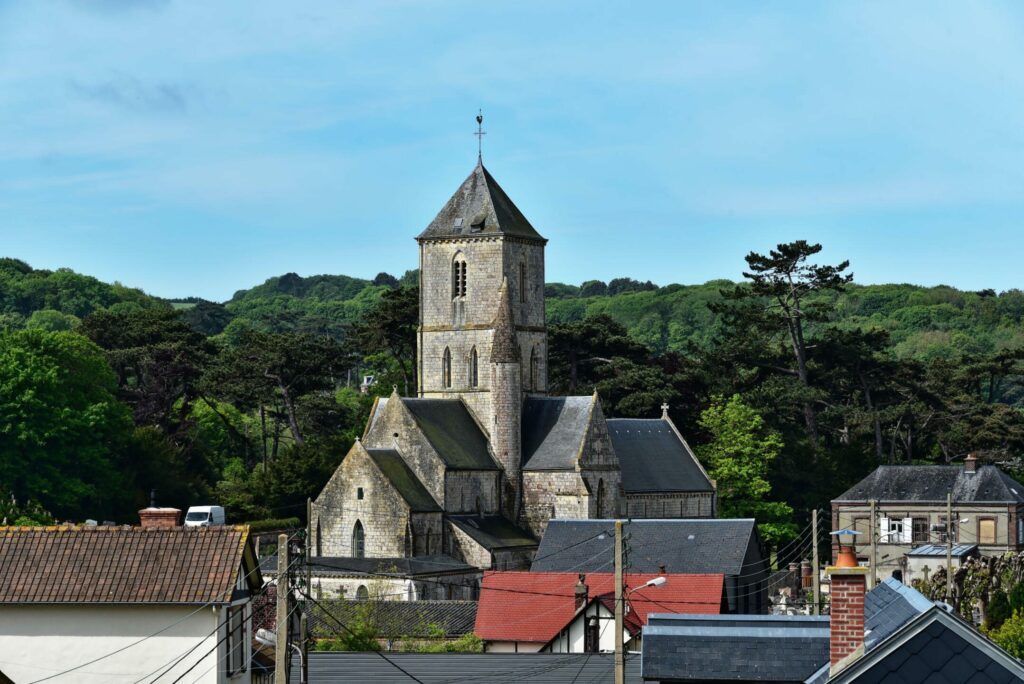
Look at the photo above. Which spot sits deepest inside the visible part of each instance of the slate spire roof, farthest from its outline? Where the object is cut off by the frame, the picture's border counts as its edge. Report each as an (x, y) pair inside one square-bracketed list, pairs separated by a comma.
[(479, 207), (504, 347)]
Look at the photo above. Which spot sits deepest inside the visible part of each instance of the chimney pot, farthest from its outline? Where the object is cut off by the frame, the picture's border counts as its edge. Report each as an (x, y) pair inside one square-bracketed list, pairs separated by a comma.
[(582, 592), (971, 463), (154, 517), (846, 624)]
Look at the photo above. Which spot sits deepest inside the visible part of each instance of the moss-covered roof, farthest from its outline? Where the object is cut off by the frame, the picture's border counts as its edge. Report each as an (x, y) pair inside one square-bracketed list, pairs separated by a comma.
[(493, 531), (479, 207), (451, 430), (401, 477)]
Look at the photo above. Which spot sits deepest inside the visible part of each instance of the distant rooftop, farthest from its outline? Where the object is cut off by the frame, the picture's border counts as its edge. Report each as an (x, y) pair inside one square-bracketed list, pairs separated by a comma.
[(931, 483)]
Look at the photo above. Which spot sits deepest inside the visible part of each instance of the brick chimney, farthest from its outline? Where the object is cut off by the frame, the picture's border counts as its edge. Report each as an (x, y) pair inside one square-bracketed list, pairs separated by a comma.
[(159, 517), (971, 463), (582, 592), (846, 628)]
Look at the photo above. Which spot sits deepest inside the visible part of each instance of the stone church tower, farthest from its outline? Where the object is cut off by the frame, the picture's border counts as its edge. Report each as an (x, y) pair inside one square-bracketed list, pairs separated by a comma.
[(482, 312)]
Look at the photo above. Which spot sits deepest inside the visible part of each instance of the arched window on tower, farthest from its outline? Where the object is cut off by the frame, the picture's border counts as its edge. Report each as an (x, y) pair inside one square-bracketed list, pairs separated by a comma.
[(358, 541), (522, 281), (534, 370), (474, 369), (446, 368), (599, 512), (459, 276)]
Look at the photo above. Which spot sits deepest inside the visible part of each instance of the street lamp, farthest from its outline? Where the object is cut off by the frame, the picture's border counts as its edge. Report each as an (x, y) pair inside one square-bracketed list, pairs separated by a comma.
[(265, 637), (656, 582)]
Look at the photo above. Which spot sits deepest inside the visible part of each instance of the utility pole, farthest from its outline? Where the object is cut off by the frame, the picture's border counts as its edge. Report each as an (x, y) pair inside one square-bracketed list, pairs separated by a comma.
[(304, 644), (620, 662), (949, 547), (281, 647), (873, 577), (817, 569)]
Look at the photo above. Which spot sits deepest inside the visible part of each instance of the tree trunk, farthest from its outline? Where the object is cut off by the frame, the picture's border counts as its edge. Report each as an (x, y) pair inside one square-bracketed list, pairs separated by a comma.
[(876, 423), (263, 433), (796, 336)]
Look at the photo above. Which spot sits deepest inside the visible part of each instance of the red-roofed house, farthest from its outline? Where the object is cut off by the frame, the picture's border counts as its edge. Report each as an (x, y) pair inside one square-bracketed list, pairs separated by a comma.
[(566, 612)]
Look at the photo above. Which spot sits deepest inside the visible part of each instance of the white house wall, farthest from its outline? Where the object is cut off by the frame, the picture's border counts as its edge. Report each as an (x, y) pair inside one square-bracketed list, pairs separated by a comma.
[(39, 640)]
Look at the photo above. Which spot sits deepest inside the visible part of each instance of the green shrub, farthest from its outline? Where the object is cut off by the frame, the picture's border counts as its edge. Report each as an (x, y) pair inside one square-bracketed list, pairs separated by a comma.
[(269, 524)]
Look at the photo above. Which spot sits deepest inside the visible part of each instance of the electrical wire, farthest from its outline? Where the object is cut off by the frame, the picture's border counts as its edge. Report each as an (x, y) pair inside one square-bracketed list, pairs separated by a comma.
[(345, 627), (135, 643)]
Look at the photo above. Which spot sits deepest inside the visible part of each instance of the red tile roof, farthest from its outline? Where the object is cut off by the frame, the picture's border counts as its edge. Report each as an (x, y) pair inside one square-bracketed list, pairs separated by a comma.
[(123, 564), (535, 606)]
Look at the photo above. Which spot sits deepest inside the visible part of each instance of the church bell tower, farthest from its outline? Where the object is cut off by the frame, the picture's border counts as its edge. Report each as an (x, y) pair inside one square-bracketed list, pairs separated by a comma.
[(478, 255)]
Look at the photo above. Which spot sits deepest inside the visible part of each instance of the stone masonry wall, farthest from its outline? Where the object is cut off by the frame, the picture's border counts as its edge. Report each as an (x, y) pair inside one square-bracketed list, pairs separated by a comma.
[(682, 505), (553, 494), (383, 514), (463, 487)]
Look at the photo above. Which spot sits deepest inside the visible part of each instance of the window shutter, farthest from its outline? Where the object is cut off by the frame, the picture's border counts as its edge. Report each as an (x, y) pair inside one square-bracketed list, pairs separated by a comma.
[(908, 530), (883, 535)]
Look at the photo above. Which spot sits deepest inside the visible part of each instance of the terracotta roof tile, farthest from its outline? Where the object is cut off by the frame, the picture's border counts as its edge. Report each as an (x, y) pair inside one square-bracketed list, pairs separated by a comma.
[(121, 564), (535, 606)]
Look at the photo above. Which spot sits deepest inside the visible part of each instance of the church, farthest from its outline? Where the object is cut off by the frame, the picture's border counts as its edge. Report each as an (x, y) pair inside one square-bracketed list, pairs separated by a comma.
[(465, 475)]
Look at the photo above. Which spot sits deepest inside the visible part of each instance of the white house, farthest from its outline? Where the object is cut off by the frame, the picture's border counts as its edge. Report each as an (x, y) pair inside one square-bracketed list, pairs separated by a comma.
[(119, 604)]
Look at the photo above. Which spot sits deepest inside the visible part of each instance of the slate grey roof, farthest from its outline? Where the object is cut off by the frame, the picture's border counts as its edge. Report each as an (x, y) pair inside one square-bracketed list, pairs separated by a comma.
[(451, 430), (653, 458), (339, 566), (888, 607), (930, 483), (935, 647), (394, 619), (493, 531), (403, 479), (479, 207), (764, 648), (703, 545), (936, 550), (470, 668), (553, 431)]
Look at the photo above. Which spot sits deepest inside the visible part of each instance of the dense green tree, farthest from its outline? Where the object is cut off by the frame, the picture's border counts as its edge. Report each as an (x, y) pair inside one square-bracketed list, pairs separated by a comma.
[(576, 351), (1010, 636), (738, 457), (782, 284), (61, 425), (53, 321), (389, 328)]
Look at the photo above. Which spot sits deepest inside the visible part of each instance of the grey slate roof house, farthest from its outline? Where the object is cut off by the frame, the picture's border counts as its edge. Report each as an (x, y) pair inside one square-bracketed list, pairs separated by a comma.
[(476, 463), (988, 510), (698, 546), (903, 638)]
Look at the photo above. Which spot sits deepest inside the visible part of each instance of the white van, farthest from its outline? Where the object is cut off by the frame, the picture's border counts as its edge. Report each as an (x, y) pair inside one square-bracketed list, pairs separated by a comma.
[(203, 516)]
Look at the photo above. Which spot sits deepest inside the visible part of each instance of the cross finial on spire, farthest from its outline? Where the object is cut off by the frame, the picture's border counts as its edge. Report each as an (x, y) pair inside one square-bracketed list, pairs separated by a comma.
[(664, 411), (480, 133)]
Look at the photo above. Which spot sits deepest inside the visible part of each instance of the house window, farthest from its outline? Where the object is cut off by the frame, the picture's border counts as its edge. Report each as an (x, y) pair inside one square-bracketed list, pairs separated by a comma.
[(236, 640), (474, 373), (446, 368), (459, 276), (986, 531), (922, 533), (362, 593), (522, 282), (895, 530), (358, 541), (359, 493)]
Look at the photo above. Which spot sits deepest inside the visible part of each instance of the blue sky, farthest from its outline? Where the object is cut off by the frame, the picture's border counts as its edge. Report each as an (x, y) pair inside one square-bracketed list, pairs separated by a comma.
[(194, 148)]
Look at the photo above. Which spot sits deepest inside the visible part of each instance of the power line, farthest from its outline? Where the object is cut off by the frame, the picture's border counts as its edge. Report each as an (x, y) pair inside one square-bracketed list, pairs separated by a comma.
[(345, 627)]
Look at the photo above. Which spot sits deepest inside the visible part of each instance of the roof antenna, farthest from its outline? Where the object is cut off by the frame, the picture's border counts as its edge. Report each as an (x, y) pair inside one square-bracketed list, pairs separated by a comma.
[(480, 133)]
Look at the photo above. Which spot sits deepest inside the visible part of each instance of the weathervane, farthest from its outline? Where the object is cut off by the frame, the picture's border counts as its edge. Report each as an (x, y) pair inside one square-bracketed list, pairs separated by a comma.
[(480, 133)]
